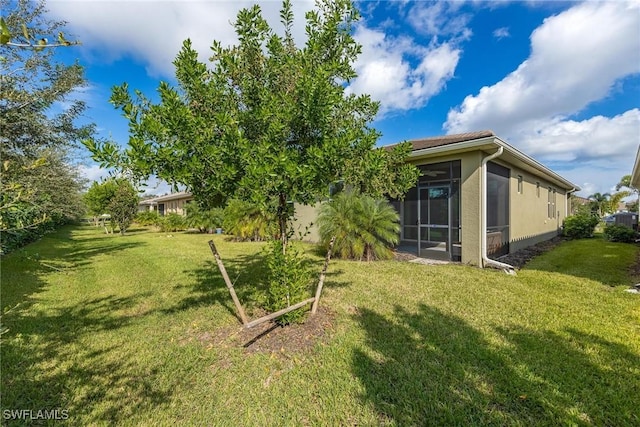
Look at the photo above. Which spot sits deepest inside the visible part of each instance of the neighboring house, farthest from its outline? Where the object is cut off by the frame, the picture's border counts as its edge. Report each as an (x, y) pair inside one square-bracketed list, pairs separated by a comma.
[(578, 201), (454, 213), (171, 203)]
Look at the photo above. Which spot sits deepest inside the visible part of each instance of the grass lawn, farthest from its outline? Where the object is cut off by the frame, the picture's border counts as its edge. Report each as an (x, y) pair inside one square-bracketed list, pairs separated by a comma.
[(106, 327)]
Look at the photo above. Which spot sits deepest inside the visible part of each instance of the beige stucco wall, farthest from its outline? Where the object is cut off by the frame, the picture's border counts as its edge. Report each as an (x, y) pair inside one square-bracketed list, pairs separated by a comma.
[(529, 219), (529, 222), (175, 206), (469, 201), (305, 220)]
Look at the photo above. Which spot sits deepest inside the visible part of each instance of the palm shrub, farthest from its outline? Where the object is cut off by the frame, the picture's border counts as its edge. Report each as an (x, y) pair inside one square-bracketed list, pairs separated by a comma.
[(172, 222), (364, 228), (247, 221), (148, 218), (202, 219)]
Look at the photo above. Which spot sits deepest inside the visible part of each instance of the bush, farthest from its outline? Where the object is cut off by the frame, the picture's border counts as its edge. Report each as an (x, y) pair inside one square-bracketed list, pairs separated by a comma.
[(580, 226), (203, 220), (364, 228), (172, 222), (148, 218), (246, 221), (289, 280), (619, 233)]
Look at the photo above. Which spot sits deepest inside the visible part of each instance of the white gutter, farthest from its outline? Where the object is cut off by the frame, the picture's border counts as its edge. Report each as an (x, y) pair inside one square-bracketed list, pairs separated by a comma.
[(509, 269)]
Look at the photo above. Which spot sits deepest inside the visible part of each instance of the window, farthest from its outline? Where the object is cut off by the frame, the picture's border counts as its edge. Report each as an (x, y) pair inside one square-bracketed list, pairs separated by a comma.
[(551, 203), (538, 189), (520, 184), (497, 210)]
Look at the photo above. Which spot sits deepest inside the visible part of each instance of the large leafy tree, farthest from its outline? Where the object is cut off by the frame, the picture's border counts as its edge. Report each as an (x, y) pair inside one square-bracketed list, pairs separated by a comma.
[(40, 187), (266, 121)]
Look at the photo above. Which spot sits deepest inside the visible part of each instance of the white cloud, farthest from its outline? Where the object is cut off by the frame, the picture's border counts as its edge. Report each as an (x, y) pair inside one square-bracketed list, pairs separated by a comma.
[(399, 73), (92, 172), (501, 33), (596, 138), (153, 31), (442, 18), (576, 58)]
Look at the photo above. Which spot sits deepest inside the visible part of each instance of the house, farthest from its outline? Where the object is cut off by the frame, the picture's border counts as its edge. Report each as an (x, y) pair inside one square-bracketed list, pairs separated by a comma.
[(478, 198), (170, 203)]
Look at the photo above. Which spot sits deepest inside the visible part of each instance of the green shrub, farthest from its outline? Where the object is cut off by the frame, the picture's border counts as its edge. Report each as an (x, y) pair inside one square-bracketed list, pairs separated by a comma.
[(619, 233), (246, 221), (580, 226), (364, 228), (148, 218), (203, 220), (289, 280), (172, 222)]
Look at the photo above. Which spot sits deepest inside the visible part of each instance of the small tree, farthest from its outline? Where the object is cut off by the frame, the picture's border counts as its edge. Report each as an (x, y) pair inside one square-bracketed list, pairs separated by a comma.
[(266, 122), (98, 197), (123, 206)]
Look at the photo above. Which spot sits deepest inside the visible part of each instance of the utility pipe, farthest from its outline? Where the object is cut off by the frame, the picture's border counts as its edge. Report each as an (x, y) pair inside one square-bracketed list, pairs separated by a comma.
[(509, 269)]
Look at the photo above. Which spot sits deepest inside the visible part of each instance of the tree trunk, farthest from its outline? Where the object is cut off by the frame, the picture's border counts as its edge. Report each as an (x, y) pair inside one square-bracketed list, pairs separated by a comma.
[(282, 221)]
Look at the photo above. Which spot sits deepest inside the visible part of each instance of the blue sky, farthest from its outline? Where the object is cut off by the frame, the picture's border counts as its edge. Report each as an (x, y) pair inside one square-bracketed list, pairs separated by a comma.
[(558, 80)]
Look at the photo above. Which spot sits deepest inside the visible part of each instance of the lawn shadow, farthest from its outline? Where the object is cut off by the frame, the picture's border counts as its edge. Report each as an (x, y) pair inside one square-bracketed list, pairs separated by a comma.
[(45, 365), (432, 368), (58, 252)]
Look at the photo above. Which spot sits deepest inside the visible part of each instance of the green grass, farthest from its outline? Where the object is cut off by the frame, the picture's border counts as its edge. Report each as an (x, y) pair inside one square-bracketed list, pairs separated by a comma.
[(106, 327)]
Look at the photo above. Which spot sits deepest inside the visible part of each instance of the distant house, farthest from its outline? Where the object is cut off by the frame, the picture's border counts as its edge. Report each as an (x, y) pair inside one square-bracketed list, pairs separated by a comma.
[(171, 203), (578, 201)]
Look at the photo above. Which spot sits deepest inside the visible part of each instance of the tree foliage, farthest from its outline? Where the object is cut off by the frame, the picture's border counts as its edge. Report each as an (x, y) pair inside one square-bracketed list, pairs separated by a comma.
[(123, 205), (99, 195), (39, 186), (265, 121)]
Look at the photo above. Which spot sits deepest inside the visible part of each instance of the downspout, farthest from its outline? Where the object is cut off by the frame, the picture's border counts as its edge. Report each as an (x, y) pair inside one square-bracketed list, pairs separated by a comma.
[(509, 269), (567, 203)]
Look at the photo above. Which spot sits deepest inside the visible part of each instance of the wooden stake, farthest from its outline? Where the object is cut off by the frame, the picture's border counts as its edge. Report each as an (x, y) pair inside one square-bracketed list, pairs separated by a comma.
[(225, 276), (314, 308), (278, 313)]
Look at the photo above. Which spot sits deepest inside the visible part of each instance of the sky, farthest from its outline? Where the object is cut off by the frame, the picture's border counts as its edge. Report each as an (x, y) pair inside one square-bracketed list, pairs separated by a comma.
[(559, 81)]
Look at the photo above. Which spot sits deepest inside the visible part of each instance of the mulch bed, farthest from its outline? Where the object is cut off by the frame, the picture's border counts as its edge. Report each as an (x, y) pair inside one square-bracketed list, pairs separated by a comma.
[(520, 258), (270, 337)]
